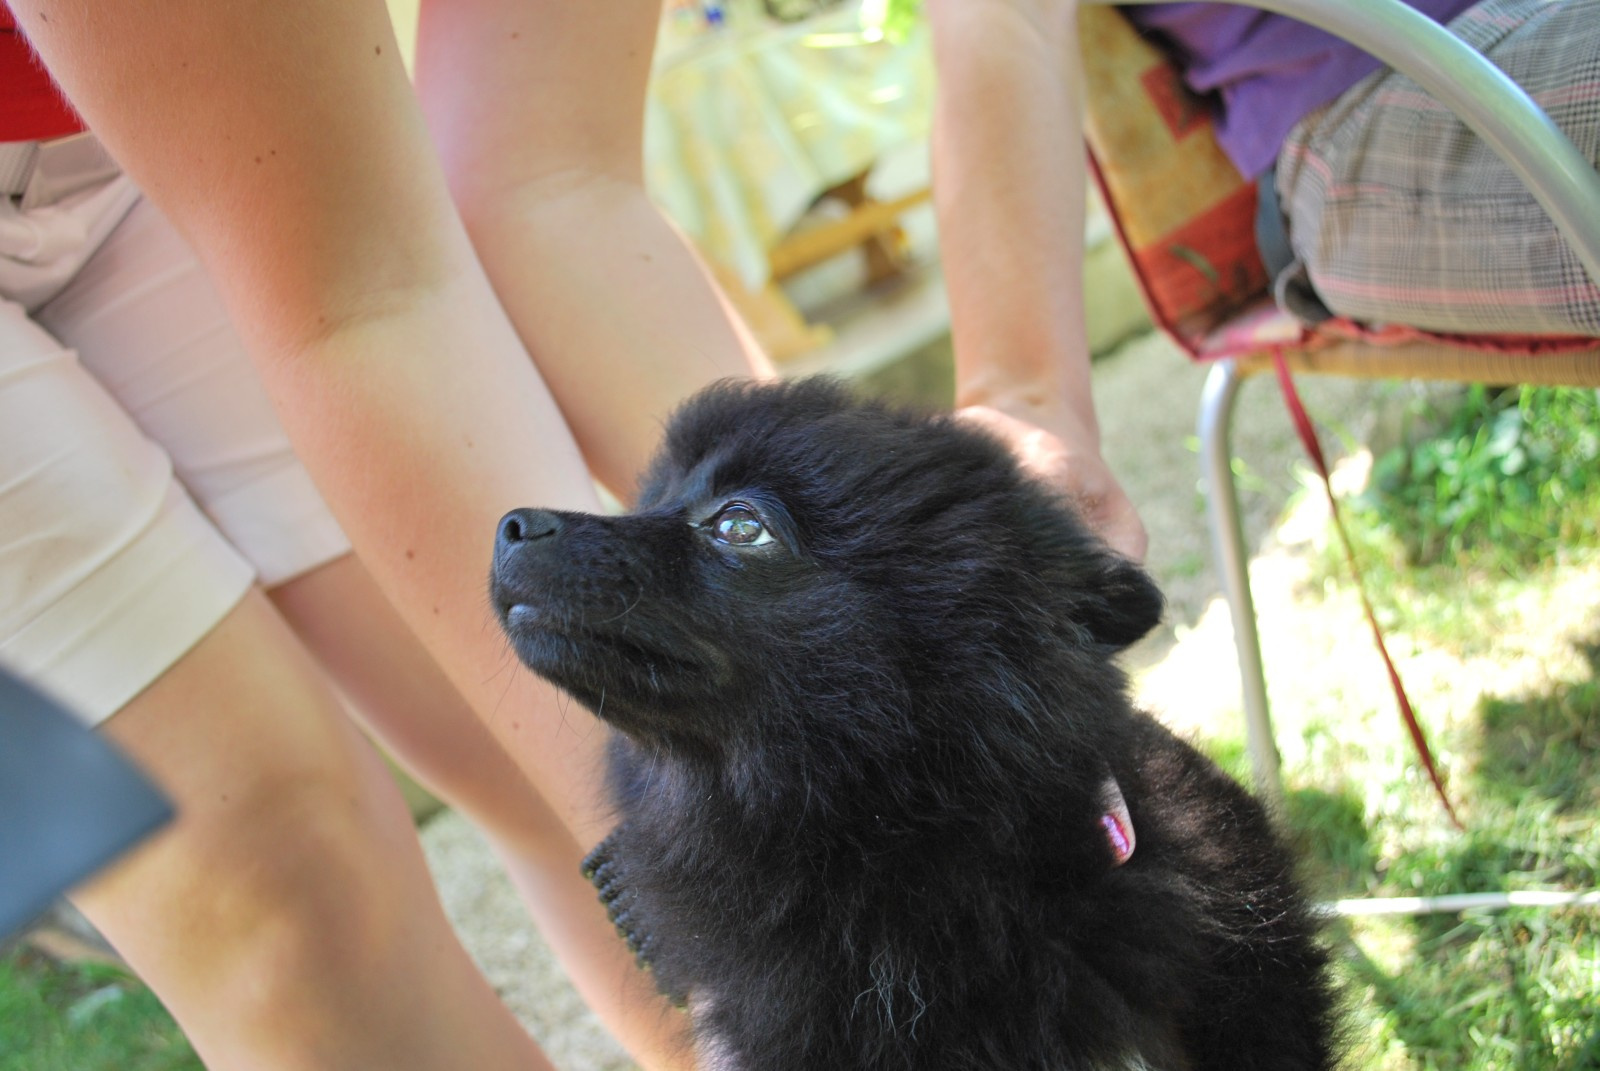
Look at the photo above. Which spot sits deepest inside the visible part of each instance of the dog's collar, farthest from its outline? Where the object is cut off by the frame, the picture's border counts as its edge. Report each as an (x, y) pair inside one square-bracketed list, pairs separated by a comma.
[(1116, 823)]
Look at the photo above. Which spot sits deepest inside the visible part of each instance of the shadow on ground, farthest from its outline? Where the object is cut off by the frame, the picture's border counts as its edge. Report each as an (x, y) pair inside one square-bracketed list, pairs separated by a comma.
[(1511, 990)]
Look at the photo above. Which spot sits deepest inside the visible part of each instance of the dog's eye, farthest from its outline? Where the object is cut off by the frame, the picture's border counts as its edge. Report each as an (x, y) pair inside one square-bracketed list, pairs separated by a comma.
[(740, 526)]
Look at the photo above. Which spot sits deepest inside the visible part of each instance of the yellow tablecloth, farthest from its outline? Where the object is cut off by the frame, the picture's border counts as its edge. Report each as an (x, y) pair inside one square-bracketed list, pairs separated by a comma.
[(746, 126)]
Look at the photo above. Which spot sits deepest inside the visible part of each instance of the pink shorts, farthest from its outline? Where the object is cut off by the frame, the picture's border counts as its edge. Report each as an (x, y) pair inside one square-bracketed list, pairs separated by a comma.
[(145, 482)]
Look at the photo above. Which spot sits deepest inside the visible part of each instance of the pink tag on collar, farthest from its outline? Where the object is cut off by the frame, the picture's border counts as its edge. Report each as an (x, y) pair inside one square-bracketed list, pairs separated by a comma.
[(1117, 824)]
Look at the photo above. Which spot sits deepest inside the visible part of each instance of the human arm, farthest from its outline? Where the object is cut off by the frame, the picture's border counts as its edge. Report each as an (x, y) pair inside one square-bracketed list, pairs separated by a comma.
[(285, 141), (538, 112), (1009, 186)]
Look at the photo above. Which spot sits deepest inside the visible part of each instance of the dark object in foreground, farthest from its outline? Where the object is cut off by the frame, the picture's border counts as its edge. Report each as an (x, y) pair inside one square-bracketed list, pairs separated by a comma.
[(69, 804), (884, 800)]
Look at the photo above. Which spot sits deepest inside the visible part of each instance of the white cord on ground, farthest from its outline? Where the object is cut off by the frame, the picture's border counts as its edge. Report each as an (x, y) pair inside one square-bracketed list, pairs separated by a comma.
[(1429, 905)]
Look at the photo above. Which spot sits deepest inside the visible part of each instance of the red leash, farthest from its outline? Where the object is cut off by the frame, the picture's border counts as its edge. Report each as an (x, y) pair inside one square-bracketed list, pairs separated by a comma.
[(1308, 436)]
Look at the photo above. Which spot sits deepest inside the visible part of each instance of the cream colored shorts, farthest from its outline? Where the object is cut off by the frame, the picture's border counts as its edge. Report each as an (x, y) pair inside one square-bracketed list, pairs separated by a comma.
[(144, 481)]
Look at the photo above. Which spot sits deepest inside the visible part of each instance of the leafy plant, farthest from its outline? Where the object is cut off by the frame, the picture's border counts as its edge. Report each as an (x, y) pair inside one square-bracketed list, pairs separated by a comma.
[(1513, 474)]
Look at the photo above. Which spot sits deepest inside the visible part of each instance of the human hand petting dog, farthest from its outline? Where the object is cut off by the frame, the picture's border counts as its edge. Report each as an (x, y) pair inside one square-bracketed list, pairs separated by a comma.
[(1010, 189), (1056, 449)]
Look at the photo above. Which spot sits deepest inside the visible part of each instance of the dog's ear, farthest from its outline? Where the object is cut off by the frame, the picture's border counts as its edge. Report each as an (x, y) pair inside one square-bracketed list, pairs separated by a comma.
[(1120, 603)]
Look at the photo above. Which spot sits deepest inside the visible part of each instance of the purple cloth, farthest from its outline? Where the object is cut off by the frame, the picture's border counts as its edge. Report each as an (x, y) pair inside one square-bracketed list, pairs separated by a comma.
[(1267, 72)]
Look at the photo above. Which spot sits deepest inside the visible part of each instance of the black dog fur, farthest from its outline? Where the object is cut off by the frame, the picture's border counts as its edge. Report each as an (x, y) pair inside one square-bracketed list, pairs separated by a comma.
[(861, 674)]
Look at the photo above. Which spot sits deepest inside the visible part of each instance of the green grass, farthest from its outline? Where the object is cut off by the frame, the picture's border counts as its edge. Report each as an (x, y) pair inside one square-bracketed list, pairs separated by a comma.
[(1482, 991), (1465, 539), (83, 1018), (1459, 523), (1510, 477)]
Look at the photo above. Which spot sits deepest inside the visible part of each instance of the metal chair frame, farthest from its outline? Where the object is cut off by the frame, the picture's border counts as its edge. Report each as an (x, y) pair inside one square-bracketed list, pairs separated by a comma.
[(1558, 176)]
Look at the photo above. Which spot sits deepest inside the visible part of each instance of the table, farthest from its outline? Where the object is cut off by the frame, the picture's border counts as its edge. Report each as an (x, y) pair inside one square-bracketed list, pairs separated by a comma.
[(746, 126)]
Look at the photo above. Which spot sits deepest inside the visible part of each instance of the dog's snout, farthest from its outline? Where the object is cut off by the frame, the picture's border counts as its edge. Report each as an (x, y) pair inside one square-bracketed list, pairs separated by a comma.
[(522, 545), (527, 525)]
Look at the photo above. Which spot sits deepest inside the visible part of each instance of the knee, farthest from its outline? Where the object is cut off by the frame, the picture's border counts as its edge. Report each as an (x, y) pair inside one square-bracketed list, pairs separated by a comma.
[(303, 874)]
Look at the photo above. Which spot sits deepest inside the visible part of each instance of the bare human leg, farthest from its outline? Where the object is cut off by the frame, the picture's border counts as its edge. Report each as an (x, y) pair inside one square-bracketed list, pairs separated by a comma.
[(406, 701), (287, 918)]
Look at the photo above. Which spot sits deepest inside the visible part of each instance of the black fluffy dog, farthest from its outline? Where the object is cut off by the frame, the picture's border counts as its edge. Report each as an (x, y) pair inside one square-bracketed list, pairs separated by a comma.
[(883, 800)]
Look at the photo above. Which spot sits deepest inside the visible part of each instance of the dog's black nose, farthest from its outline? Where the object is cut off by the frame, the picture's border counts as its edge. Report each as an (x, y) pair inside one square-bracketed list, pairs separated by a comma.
[(525, 525)]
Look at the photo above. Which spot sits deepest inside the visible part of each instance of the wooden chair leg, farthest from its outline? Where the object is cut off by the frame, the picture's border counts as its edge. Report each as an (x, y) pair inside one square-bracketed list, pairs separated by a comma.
[(1232, 559)]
